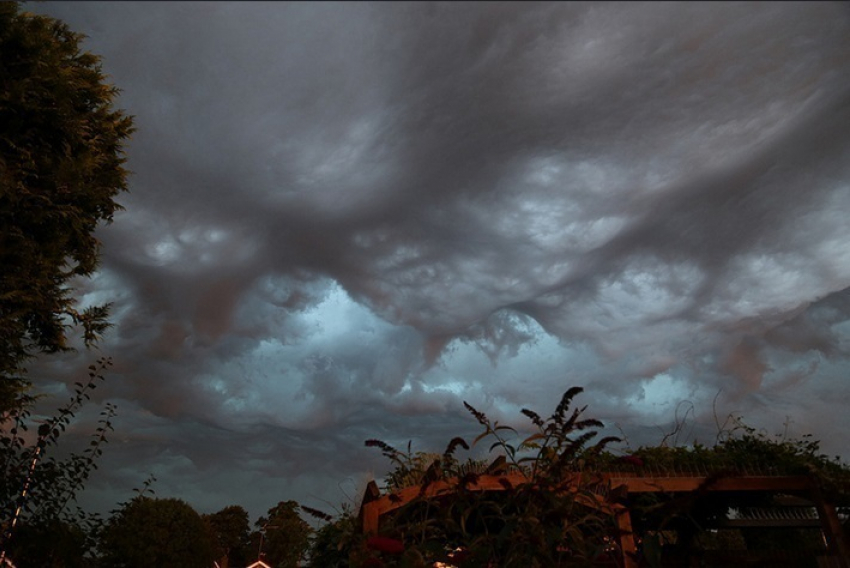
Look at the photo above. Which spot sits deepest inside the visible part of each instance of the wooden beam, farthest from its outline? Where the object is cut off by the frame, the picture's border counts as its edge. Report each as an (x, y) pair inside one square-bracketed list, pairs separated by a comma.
[(397, 499), (767, 523), (687, 484), (375, 505)]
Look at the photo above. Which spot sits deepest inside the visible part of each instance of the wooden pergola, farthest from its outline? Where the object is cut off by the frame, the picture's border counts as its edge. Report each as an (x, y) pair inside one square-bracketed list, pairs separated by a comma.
[(375, 505)]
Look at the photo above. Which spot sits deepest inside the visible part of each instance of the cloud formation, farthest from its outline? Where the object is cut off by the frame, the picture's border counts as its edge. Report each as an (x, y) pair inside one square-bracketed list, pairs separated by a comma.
[(345, 219)]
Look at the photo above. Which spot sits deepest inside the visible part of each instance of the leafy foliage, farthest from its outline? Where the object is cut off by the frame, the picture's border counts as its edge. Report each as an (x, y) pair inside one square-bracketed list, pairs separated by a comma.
[(38, 490), (230, 532), (156, 532), (740, 450), (286, 535), (548, 521), (61, 166), (331, 544), (53, 544)]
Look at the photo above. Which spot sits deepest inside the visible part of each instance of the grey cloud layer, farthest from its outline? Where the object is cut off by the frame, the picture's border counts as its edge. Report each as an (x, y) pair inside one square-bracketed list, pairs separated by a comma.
[(354, 215)]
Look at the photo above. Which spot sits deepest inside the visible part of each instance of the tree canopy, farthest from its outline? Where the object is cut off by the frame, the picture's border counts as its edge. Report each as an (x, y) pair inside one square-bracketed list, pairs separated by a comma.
[(61, 167), (287, 535), (231, 531), (156, 532), (53, 544)]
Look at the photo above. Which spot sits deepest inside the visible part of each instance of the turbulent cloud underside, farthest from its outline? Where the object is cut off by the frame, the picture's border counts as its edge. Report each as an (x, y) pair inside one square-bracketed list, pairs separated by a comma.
[(345, 219)]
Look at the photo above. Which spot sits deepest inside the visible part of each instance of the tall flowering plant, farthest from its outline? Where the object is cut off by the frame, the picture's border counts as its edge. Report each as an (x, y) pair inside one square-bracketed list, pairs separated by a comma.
[(548, 511)]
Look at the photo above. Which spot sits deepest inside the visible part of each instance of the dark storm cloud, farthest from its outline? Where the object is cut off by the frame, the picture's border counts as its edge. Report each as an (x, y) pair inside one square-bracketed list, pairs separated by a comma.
[(347, 218)]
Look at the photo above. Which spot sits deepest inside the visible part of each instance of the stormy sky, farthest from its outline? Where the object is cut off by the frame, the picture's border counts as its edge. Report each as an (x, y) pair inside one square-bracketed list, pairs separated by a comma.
[(346, 219)]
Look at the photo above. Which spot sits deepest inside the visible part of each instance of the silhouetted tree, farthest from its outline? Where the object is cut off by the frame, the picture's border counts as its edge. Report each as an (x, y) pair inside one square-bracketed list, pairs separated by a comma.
[(61, 166), (331, 544), (287, 535), (230, 531), (156, 532), (51, 543)]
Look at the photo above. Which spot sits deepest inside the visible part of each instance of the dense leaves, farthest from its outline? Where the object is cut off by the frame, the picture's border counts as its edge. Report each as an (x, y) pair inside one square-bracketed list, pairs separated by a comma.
[(52, 544), (740, 450), (230, 530), (332, 543), (286, 536), (61, 166), (156, 532)]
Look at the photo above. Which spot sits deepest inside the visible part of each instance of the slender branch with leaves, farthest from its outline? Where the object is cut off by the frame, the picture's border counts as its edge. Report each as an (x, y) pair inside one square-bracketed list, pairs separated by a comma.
[(40, 488)]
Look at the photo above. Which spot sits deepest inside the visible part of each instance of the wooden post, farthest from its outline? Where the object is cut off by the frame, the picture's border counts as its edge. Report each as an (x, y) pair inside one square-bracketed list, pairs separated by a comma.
[(627, 539), (369, 512), (836, 540), (370, 518)]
